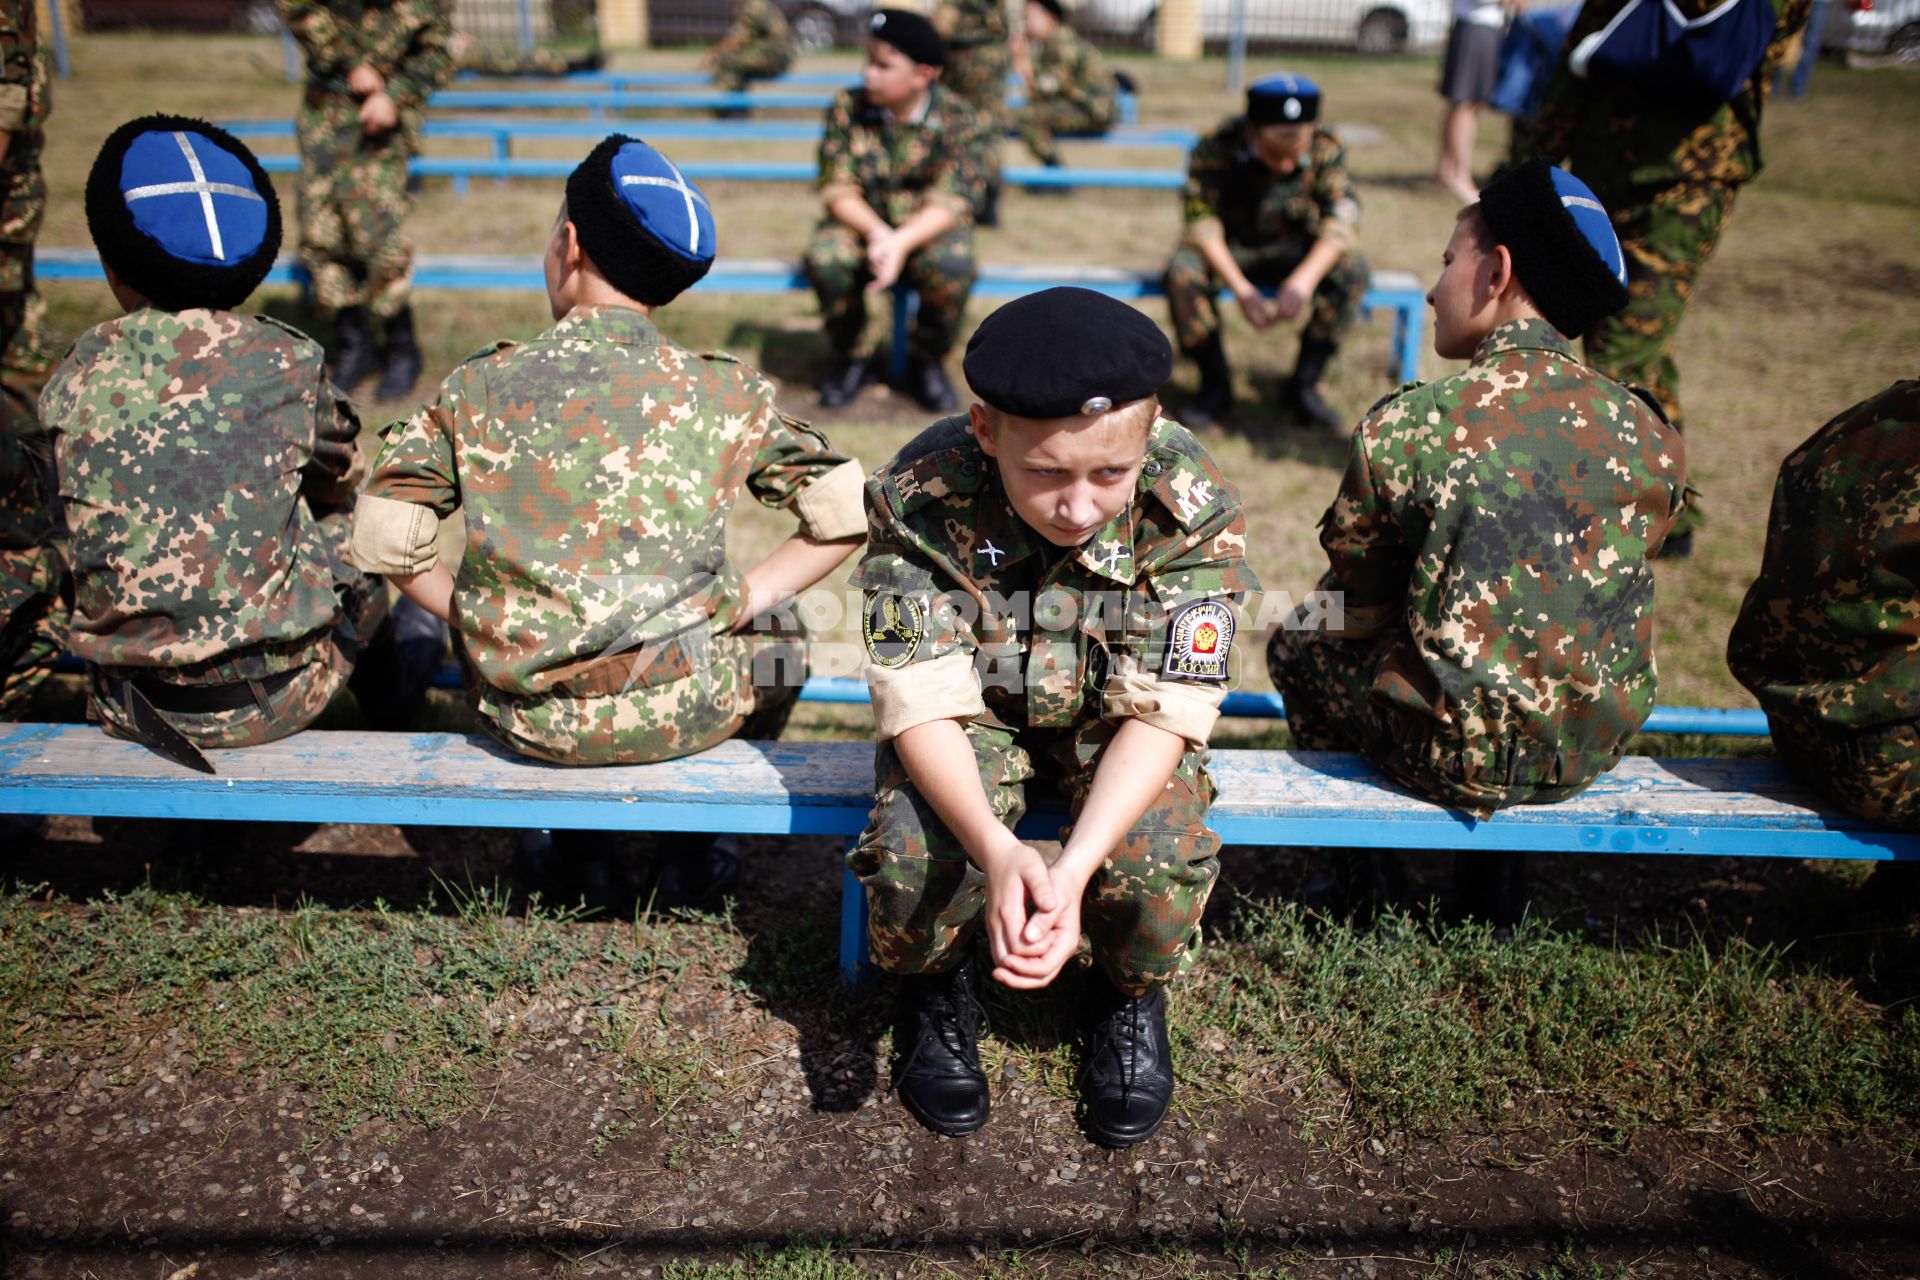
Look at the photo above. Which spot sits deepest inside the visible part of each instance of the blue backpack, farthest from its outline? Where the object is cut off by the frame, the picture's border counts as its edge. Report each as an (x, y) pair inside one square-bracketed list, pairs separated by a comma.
[(1663, 53)]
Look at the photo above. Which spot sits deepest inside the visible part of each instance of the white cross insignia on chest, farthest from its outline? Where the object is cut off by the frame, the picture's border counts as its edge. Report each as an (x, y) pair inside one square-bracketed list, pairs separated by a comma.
[(992, 553), (1113, 559)]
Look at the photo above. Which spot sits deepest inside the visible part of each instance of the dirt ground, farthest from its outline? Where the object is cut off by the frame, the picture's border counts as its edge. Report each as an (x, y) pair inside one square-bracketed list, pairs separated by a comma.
[(160, 1170)]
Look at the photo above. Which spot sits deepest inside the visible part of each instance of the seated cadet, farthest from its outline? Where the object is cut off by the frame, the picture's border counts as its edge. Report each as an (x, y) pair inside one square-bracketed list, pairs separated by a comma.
[(597, 614), (204, 461), (1492, 534), (758, 46), (1269, 204), (900, 174), (1829, 638), (1069, 89), (1050, 583)]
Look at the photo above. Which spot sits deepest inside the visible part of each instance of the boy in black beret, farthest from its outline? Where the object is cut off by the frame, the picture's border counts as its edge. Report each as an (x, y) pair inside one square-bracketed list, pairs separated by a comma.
[(1050, 585)]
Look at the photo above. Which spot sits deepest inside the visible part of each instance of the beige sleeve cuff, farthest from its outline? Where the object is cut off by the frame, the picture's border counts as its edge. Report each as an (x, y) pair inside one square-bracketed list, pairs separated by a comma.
[(1205, 231), (393, 538), (13, 107), (1189, 710), (834, 506), (1341, 234), (941, 689)]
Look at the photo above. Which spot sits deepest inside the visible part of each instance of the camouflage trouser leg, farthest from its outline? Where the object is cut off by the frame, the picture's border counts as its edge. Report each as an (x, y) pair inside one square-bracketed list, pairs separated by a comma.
[(1142, 908), (1038, 122), (836, 266), (942, 272), (1874, 774), (36, 604), (26, 357), (750, 62), (1327, 684), (353, 202), (747, 684), (495, 60)]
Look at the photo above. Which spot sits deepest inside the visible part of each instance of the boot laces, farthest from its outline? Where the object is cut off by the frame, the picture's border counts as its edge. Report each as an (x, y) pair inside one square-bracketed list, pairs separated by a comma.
[(955, 1005), (1121, 1032)]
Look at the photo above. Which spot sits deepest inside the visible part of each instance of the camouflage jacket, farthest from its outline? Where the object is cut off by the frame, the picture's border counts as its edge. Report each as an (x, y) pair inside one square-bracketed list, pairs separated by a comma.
[(24, 101), (1228, 188), (970, 612), (187, 446), (406, 41), (758, 24), (899, 165), (595, 467), (1830, 631), (1626, 149), (1068, 70), (25, 518), (966, 23), (1498, 524)]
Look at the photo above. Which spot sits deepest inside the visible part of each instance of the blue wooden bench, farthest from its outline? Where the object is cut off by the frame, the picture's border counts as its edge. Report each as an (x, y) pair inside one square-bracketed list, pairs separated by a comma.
[(1267, 798), (1395, 291)]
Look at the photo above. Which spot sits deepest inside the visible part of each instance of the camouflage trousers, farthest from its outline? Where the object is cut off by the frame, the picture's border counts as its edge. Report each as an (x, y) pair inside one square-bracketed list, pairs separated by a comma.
[(26, 355), (1193, 290), (353, 199), (320, 667), (941, 272), (36, 603), (1142, 908), (732, 70), (1327, 683), (746, 689), (1873, 773), (499, 60), (1038, 121)]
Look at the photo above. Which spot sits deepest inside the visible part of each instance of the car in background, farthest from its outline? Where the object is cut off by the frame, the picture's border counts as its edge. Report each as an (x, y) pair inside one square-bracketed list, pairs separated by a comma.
[(1873, 26), (1366, 26), (817, 24), (259, 16)]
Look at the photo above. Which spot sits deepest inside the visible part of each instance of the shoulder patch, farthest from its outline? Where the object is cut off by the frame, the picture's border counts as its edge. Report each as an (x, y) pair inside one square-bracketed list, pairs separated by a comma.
[(1391, 396), (893, 628), (1199, 639), (939, 462), (1181, 477)]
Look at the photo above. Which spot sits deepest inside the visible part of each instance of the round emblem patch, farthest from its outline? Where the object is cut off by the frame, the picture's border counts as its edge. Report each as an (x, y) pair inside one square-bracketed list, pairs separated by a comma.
[(1291, 109), (1198, 641), (893, 629)]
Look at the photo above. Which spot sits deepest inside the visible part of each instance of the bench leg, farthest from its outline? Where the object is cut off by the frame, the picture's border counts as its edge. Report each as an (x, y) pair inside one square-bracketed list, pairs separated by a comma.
[(855, 965), (1409, 335), (905, 303)]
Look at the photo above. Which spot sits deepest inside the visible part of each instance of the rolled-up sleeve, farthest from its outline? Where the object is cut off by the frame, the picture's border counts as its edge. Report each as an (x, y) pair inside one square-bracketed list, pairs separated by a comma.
[(1177, 706), (944, 688), (393, 538), (413, 488), (796, 467), (920, 646), (830, 506)]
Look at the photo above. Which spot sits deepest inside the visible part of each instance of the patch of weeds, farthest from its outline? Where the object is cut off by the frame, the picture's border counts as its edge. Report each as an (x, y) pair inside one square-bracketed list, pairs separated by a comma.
[(656, 1059), (794, 1260), (1568, 1264)]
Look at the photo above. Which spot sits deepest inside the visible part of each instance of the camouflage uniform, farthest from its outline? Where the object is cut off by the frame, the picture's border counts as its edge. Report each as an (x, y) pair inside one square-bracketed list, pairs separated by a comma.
[(977, 56), (594, 606), (759, 46), (1491, 538), (1072, 92), (1829, 637), (897, 167), (493, 60), (353, 189), (1043, 652), (205, 462), (1668, 177), (1269, 221), (36, 594), (25, 99)]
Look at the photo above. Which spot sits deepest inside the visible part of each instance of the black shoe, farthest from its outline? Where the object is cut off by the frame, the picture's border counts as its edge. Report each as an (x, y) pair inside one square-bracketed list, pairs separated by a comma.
[(936, 1051), (1216, 386), (403, 358), (927, 383), (1126, 1073), (844, 384), (988, 214), (355, 356), (1356, 885), (1492, 887), (1302, 393), (1049, 189), (698, 876), (593, 60)]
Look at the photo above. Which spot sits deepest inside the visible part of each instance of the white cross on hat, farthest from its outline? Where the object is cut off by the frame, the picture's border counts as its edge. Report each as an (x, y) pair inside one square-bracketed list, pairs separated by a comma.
[(198, 186), (676, 183)]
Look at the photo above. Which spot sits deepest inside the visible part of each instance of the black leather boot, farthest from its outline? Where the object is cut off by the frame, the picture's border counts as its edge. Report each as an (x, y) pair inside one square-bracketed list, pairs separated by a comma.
[(1126, 1071), (844, 383), (1303, 389), (593, 59), (355, 356), (927, 383), (403, 358), (988, 214), (936, 1051), (1216, 385)]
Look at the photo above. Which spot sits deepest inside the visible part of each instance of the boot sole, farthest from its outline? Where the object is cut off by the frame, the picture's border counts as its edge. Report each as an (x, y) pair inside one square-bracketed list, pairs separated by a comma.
[(944, 1130), (1110, 1138)]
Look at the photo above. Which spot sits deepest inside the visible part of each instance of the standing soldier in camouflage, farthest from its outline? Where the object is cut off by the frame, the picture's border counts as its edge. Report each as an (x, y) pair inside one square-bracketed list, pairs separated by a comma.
[(35, 594), (1069, 89), (900, 176), (1829, 636), (1268, 204), (1667, 163), (979, 56), (204, 463), (758, 46), (486, 59), (1491, 538), (1050, 586), (371, 66)]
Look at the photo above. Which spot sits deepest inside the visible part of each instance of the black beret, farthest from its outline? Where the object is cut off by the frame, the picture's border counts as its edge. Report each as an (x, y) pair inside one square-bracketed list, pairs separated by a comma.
[(649, 231), (183, 213), (1283, 99), (1065, 351), (911, 34), (1053, 7), (1562, 242)]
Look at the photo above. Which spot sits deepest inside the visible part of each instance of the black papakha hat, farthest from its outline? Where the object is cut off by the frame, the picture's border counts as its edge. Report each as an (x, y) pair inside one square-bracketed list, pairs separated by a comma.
[(649, 231), (1563, 245), (1283, 99), (183, 213), (911, 34), (1053, 7), (1066, 351)]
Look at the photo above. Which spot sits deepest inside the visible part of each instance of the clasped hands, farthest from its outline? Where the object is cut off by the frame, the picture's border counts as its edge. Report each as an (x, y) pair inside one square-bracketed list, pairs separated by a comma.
[(1288, 303), (378, 114), (1032, 913)]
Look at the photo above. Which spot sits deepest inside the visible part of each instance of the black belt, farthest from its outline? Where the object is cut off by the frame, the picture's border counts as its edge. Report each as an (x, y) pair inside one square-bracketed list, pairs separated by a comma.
[(198, 699)]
